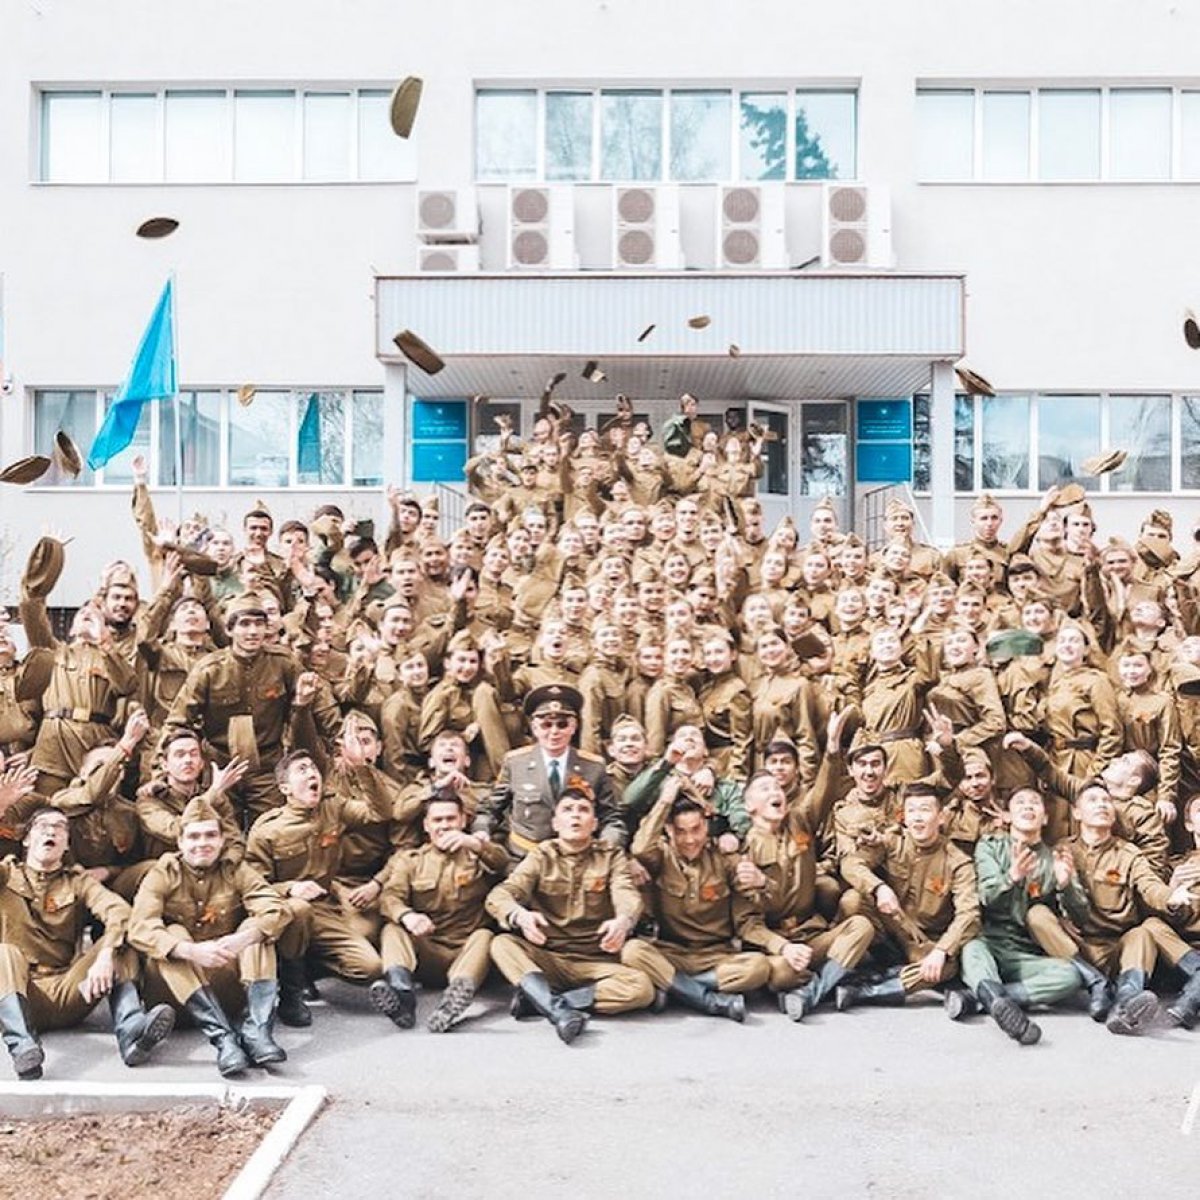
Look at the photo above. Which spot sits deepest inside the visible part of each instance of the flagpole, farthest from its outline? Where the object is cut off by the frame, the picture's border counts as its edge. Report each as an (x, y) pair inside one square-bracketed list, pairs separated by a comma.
[(178, 408)]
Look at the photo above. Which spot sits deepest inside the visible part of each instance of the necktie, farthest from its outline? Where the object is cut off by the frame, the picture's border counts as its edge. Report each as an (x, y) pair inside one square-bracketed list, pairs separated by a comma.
[(555, 779)]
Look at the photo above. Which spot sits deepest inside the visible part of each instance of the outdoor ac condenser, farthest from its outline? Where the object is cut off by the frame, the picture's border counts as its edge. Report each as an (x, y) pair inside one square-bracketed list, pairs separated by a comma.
[(447, 215), (856, 226), (448, 259), (541, 228), (646, 228), (751, 229)]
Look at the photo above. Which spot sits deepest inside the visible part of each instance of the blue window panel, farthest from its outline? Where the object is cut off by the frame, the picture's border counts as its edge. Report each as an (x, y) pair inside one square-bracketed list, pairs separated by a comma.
[(438, 462), (439, 420), (885, 420), (883, 462)]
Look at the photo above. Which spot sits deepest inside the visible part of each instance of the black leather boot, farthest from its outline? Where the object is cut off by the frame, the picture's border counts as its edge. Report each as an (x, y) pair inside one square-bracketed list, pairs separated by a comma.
[(886, 992), (581, 998), (700, 992), (568, 1022), (1134, 1007), (19, 1037), (1007, 1013), (1185, 1009), (1096, 984), (293, 979), (799, 1002), (455, 1001), (393, 995), (206, 1011), (960, 1002), (136, 1030), (258, 1025)]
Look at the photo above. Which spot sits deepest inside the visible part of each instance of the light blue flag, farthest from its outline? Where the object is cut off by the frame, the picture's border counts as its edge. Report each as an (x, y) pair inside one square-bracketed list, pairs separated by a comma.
[(152, 377), (309, 449)]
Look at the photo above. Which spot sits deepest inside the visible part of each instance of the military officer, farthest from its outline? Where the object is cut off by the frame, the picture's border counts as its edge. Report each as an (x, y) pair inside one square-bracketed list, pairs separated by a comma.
[(523, 802)]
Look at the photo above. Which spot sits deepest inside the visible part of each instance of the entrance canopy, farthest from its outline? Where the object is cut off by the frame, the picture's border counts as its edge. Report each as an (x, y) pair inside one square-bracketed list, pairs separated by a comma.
[(798, 336)]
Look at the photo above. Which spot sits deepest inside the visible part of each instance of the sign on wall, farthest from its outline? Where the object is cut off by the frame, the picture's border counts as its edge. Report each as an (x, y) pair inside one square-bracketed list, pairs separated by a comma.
[(439, 440), (884, 445)]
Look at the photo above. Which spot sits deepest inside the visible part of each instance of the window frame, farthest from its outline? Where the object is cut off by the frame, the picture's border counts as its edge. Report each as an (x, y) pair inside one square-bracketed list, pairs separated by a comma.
[(1104, 176), (1103, 483), (230, 91), (227, 399), (666, 90)]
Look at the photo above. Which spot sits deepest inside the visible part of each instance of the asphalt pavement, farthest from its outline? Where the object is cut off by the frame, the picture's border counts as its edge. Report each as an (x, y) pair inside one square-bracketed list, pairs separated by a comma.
[(884, 1102)]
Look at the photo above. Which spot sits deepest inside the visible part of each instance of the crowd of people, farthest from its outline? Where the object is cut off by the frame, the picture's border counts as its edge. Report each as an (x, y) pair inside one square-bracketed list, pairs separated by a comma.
[(613, 739)]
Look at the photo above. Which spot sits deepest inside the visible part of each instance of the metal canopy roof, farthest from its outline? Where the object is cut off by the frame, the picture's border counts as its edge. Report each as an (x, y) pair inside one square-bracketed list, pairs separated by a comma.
[(799, 336)]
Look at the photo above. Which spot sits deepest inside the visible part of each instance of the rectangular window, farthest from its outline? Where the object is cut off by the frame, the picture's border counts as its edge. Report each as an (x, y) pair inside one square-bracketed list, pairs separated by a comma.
[(197, 137), (1005, 135), (134, 139), (506, 134), (1069, 134), (1189, 135), (700, 136), (631, 136), (1189, 441), (382, 155), (264, 136), (964, 444), (1141, 425), (1005, 443), (259, 441), (367, 447), (826, 126), (568, 136), (1068, 433), (327, 125), (320, 438), (200, 429), (945, 135), (71, 147), (762, 135), (1139, 145), (75, 414)]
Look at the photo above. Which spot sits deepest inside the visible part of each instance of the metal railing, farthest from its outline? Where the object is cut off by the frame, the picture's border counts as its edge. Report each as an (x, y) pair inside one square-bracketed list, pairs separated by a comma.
[(873, 511), (452, 509)]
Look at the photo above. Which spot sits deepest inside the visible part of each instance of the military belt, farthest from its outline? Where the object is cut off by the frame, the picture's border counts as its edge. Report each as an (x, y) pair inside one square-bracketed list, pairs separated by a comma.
[(899, 735), (1086, 743), (82, 715), (519, 842)]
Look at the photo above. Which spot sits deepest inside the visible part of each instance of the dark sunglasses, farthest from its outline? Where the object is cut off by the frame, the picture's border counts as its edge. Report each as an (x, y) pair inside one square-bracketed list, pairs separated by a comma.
[(555, 722)]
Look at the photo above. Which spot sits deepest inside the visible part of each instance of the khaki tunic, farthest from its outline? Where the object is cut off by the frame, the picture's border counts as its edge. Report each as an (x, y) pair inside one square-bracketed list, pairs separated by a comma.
[(781, 703), (670, 703), (1081, 715), (1151, 723), (971, 699), (576, 891), (159, 807), (728, 724), (602, 685)]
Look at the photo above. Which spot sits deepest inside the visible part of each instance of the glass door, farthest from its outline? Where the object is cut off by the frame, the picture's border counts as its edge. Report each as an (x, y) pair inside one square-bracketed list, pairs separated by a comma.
[(824, 467), (775, 483)]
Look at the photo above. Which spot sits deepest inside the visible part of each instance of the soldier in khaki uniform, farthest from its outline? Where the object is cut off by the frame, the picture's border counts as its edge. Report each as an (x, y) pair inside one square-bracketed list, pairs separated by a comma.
[(1108, 891), (435, 923), (726, 708), (702, 912), (986, 518), (45, 981), (573, 902), (922, 897), (251, 699), (206, 925), (1081, 709), (809, 957), (602, 684), (1186, 1008), (297, 848), (1150, 723)]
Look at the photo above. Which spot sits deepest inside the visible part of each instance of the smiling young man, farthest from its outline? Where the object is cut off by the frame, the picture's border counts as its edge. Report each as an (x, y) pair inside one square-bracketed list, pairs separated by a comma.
[(206, 925), (46, 980), (570, 905)]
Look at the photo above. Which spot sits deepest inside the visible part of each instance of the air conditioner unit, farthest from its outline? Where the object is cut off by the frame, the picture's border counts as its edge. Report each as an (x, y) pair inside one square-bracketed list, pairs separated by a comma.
[(541, 228), (752, 228), (646, 228), (447, 259), (856, 226), (447, 215)]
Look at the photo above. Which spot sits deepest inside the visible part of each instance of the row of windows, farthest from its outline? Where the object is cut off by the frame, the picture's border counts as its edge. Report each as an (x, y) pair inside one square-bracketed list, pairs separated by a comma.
[(652, 134), (1047, 135), (218, 136), (1029, 443), (282, 439)]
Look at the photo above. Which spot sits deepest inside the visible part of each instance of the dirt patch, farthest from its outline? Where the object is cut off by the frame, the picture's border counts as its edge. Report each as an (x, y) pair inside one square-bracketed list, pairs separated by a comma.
[(191, 1152)]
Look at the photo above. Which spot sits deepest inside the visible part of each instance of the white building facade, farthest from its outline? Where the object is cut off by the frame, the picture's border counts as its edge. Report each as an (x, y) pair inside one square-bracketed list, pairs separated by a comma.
[(858, 196)]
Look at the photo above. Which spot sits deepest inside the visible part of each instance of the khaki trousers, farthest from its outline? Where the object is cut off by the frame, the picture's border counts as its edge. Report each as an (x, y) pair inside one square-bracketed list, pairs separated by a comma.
[(619, 987), (435, 962)]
